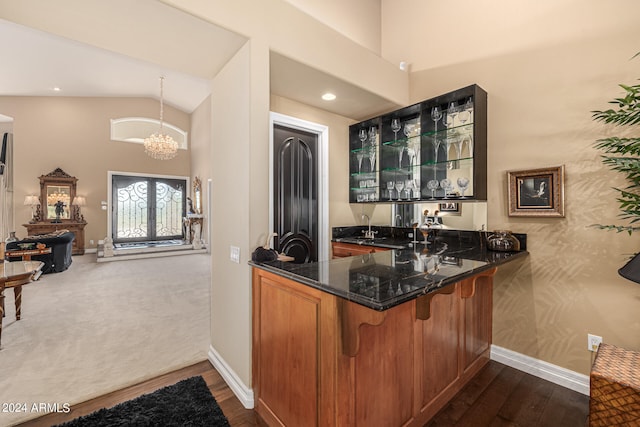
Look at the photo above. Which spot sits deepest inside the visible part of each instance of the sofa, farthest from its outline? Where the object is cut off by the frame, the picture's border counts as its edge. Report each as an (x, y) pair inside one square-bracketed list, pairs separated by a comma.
[(61, 244)]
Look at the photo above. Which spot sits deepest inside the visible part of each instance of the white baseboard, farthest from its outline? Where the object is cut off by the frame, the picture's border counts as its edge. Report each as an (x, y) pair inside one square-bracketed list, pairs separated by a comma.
[(541, 369), (242, 392)]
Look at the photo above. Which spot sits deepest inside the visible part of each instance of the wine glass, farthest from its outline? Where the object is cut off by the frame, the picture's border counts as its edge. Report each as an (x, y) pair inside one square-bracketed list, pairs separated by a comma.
[(408, 130), (468, 106), (436, 114), (452, 142), (446, 186), (359, 156), (363, 136), (463, 184), (433, 186), (409, 188), (390, 185), (395, 127), (372, 135), (425, 228), (416, 188), (463, 115), (400, 151), (372, 158), (411, 153), (399, 187), (452, 112)]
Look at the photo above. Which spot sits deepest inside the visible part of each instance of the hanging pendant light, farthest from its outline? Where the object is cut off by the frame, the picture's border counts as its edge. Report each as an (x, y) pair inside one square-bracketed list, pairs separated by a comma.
[(159, 145)]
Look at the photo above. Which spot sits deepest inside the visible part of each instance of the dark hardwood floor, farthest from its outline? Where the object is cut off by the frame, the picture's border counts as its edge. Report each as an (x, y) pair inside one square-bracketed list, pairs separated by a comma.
[(497, 396)]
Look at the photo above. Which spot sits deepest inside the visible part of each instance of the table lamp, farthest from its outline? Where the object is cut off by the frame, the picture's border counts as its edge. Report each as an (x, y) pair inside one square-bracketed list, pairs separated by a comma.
[(79, 201), (31, 201)]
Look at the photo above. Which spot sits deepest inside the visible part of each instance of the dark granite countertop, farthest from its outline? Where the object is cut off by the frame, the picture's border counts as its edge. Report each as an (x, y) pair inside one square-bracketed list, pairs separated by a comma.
[(385, 279)]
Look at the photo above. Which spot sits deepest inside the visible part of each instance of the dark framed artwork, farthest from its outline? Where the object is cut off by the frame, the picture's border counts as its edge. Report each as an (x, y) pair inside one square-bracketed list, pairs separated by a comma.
[(449, 208), (537, 192)]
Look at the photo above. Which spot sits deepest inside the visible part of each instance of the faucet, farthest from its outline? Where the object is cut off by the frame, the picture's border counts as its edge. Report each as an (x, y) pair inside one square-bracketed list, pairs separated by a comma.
[(368, 234)]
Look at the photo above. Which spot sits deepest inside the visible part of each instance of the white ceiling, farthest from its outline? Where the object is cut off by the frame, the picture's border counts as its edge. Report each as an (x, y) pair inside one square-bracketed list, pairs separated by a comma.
[(34, 62)]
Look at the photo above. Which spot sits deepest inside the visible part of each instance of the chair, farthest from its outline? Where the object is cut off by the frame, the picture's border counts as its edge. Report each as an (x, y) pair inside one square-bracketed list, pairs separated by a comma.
[(61, 244)]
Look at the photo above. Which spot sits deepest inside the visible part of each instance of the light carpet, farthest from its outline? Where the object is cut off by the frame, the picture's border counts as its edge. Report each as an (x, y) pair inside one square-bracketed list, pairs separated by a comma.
[(99, 327)]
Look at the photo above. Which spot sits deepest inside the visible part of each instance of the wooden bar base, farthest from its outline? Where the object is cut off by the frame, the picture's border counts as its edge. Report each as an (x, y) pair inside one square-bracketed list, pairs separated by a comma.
[(321, 360)]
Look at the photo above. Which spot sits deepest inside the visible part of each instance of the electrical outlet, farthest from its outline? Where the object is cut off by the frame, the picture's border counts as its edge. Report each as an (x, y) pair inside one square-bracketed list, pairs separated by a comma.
[(593, 342), (234, 254)]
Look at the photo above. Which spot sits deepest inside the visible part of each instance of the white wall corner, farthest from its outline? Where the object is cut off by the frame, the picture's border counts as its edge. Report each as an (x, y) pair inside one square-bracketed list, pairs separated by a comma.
[(541, 369), (242, 392)]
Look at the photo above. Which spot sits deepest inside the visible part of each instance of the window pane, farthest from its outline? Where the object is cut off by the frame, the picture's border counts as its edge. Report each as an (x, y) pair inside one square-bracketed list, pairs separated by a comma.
[(132, 211), (169, 203)]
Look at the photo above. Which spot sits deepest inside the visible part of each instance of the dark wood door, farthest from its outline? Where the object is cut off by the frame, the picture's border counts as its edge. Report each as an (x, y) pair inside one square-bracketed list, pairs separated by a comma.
[(296, 193)]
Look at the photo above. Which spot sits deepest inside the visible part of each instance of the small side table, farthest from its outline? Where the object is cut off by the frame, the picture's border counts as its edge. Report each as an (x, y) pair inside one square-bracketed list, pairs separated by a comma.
[(15, 275), (26, 254)]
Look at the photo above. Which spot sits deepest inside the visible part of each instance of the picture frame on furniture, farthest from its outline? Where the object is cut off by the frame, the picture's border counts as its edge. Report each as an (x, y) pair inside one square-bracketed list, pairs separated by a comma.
[(536, 192)]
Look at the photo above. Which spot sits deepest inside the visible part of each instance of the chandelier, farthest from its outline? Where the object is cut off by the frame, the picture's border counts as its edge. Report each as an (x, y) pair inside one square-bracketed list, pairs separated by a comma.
[(159, 145)]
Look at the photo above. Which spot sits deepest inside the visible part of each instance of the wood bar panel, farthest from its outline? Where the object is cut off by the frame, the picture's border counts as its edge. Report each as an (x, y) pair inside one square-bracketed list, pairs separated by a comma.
[(321, 360)]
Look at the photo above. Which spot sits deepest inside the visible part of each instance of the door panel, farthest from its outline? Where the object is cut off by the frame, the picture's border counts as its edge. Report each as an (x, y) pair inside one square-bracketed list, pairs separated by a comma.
[(147, 209), (296, 193)]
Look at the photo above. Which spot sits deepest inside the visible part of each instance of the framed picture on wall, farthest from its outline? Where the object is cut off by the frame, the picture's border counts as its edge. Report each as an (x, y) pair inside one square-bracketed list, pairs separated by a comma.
[(449, 208), (537, 192)]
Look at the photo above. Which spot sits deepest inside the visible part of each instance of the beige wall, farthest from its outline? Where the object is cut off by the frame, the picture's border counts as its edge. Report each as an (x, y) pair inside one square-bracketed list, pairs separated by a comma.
[(539, 115), (339, 15), (239, 116), (73, 134)]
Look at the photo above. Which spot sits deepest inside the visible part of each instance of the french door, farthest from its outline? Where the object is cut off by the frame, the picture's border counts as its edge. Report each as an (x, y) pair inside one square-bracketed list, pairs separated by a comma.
[(147, 208)]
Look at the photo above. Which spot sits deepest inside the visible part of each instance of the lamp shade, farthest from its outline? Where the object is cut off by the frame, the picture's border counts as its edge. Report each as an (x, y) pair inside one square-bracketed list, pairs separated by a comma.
[(79, 201), (631, 269), (31, 201)]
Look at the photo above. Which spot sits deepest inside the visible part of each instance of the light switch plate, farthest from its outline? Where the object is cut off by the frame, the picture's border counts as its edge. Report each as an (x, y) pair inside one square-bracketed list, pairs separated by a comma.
[(234, 254)]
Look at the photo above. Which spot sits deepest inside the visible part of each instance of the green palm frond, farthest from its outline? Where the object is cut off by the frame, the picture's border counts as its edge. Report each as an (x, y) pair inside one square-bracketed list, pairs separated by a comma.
[(628, 112), (617, 145), (623, 155)]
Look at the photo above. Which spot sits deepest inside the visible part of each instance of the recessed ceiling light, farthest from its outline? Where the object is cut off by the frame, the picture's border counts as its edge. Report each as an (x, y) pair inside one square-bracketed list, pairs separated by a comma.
[(56, 89), (328, 96)]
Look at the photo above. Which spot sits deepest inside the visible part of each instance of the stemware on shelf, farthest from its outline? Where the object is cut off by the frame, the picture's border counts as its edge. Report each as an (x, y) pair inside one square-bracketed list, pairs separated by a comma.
[(395, 127), (463, 115), (447, 186), (399, 187), (452, 141), (390, 186), (433, 185), (468, 106), (372, 135), (363, 136), (425, 227), (409, 188), (359, 156), (436, 114), (416, 188), (411, 153), (452, 112), (372, 158), (400, 151), (463, 184)]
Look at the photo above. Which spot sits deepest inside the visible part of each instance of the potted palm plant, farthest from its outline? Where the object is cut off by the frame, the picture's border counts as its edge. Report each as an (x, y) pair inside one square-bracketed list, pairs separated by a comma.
[(622, 154)]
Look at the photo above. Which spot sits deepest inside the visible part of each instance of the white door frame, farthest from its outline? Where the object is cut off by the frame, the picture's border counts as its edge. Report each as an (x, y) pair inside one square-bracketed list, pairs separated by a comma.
[(322, 132)]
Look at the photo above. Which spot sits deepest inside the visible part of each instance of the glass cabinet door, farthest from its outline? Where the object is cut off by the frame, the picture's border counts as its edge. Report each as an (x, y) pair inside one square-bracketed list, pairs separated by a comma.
[(364, 151), (448, 161), (400, 159), (433, 150)]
